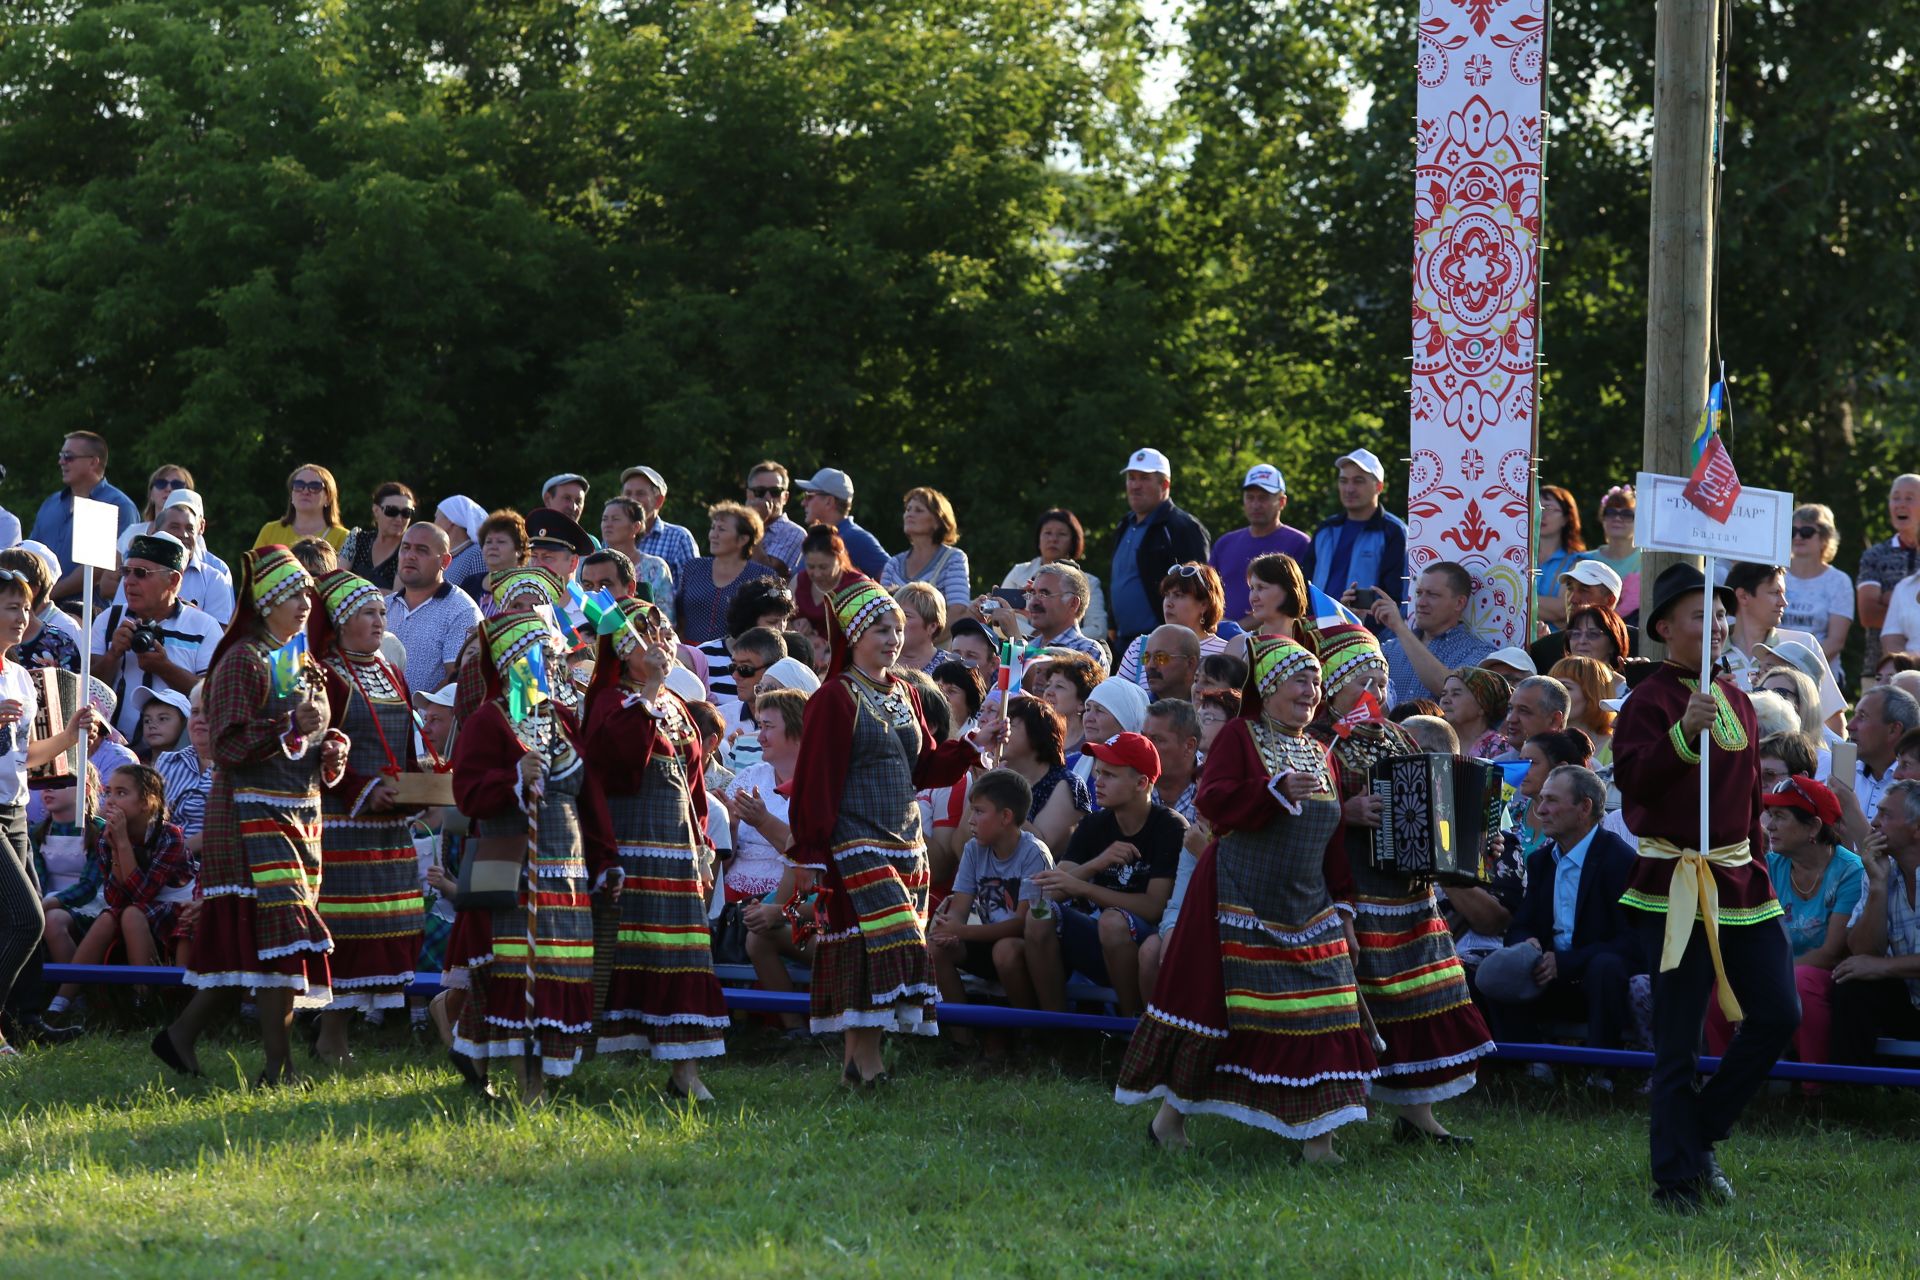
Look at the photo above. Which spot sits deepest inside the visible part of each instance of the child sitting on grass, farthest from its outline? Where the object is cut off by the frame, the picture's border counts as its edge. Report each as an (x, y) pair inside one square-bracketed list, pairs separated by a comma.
[(995, 885)]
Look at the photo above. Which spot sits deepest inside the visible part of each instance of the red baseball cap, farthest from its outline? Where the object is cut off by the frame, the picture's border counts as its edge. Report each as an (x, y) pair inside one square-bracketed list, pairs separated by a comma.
[(1809, 797), (1130, 750)]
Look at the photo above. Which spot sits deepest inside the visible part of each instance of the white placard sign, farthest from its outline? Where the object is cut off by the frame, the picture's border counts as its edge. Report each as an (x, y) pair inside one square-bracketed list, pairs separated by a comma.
[(96, 533), (1759, 529)]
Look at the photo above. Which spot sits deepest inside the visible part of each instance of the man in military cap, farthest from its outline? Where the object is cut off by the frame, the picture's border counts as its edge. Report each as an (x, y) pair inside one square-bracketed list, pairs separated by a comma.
[(555, 542)]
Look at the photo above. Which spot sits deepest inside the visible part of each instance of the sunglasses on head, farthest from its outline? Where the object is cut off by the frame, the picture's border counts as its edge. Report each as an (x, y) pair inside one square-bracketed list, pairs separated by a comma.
[(309, 486), (398, 513), (1806, 531), (1186, 570)]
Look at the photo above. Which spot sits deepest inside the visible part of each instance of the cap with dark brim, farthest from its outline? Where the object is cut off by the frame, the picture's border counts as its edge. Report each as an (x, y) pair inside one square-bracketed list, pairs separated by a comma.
[(556, 531), (162, 549)]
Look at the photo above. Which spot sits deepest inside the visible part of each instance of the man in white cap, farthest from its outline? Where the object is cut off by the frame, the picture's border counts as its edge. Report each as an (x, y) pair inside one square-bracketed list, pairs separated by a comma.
[(1587, 584), (1154, 536), (1360, 554), (205, 582), (460, 518), (671, 542), (1263, 496), (828, 499)]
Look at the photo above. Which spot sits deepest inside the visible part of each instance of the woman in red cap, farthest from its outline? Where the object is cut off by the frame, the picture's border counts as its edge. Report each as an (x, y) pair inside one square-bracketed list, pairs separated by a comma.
[(864, 751), (1413, 983), (259, 924), (370, 895), (1256, 1015), (1819, 885), (663, 998)]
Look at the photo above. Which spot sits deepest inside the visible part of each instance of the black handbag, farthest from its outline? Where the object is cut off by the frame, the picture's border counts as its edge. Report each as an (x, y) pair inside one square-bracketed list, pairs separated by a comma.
[(730, 935)]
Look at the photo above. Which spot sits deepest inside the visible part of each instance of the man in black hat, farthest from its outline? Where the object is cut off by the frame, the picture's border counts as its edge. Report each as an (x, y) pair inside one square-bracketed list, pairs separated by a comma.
[(1704, 914), (555, 542), (155, 639)]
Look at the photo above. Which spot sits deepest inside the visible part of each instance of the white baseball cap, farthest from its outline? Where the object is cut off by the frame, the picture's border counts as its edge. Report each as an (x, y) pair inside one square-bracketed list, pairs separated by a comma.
[(441, 697), (1594, 573), (1366, 461), (1512, 656), (1266, 477), (161, 693), (185, 498), (1149, 460)]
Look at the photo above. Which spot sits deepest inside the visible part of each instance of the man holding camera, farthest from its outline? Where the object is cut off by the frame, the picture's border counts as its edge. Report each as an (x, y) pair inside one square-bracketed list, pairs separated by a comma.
[(156, 639)]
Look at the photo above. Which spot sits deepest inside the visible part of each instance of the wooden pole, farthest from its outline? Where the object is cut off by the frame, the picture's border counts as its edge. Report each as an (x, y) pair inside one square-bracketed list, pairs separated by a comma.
[(1680, 247)]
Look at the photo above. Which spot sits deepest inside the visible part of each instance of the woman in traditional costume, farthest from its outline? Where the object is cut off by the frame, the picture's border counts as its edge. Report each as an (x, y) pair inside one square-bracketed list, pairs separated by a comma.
[(518, 774), (1413, 983), (663, 998), (370, 893), (864, 751), (259, 925), (1256, 1014)]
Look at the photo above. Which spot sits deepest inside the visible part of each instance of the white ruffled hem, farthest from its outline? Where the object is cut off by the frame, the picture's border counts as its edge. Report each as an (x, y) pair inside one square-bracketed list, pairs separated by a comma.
[(391, 980), (295, 948), (1253, 924), (888, 852), (909, 1019), (1161, 1015), (669, 1020), (305, 996), (1295, 1082), (908, 991), (1480, 1050), (682, 852), (1414, 1097), (284, 805), (361, 1001), (1245, 1115), (1376, 907), (515, 1049), (227, 891), (610, 1045), (521, 1024)]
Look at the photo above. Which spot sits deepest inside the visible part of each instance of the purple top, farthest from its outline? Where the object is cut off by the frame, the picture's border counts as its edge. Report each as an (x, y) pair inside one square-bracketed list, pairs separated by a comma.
[(1233, 552)]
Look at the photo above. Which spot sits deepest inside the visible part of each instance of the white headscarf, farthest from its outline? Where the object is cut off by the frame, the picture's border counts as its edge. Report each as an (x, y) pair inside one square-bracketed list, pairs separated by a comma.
[(790, 673), (465, 512)]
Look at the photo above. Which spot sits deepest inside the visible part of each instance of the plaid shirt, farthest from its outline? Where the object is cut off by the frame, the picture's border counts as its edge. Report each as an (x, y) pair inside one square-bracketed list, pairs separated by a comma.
[(433, 633), (169, 866), (1456, 648), (187, 778), (782, 541), (1903, 926), (671, 542)]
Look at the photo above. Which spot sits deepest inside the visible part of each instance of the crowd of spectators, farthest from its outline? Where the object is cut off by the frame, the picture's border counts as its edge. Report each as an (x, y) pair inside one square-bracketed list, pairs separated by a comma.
[(1066, 856)]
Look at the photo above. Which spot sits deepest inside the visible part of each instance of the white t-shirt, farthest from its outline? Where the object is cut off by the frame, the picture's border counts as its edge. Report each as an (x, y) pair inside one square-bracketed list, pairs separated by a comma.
[(16, 685), (1811, 602), (1903, 610), (757, 866), (190, 636)]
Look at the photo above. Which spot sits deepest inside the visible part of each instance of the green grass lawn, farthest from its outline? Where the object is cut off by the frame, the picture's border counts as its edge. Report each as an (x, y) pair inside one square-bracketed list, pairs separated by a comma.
[(110, 1167)]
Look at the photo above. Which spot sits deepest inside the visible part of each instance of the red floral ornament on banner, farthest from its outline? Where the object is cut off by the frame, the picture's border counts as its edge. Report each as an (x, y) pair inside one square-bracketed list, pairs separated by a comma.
[(1476, 299)]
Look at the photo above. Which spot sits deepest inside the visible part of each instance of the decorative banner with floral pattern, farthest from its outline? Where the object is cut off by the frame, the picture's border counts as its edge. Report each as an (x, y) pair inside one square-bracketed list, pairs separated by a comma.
[(1476, 300)]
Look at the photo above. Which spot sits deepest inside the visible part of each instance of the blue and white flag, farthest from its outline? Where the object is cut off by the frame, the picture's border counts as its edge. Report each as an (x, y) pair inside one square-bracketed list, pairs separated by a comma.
[(1328, 612)]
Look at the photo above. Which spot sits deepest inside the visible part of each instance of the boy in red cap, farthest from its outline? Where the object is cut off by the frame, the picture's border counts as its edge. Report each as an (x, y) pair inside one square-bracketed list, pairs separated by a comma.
[(1112, 883)]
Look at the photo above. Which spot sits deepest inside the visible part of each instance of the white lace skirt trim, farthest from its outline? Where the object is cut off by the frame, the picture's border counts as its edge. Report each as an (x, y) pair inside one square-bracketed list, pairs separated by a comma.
[(1245, 1115)]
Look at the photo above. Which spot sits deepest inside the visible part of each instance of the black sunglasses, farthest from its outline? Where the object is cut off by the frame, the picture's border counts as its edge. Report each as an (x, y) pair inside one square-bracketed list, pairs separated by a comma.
[(170, 484), (1806, 531), (767, 490), (398, 513), (310, 486)]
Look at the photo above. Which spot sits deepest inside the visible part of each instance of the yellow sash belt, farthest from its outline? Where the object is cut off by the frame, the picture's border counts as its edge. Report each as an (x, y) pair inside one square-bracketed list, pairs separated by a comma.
[(1694, 892)]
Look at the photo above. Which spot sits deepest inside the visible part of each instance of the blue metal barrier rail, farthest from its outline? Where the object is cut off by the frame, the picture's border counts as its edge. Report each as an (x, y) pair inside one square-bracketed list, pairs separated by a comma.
[(754, 1000)]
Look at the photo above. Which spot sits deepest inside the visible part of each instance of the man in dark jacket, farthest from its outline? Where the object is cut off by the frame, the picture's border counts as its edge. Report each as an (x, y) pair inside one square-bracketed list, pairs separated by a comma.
[(1155, 536), (1583, 946)]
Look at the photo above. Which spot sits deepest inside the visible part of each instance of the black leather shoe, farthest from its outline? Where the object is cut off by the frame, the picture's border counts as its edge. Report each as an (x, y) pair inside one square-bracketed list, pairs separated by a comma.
[(162, 1046), (1410, 1134), (37, 1029)]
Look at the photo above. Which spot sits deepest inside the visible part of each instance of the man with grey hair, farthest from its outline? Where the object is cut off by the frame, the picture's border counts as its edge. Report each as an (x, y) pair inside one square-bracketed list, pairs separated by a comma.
[(1432, 734), (1056, 601), (1876, 989), (1571, 949), (1538, 705), (1881, 718)]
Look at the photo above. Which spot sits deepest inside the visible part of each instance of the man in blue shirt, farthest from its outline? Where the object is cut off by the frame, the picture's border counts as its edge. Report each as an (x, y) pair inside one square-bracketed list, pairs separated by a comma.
[(671, 542), (1363, 549), (1581, 946), (1154, 536), (83, 474), (1422, 654), (1263, 496), (828, 499)]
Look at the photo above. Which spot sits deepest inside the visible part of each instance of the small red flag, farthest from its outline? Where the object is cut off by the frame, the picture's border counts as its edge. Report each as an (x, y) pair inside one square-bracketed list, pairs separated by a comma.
[(1365, 711), (1714, 486)]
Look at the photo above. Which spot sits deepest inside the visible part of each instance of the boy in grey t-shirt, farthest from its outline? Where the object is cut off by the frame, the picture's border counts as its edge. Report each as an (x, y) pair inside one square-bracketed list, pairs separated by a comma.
[(993, 885)]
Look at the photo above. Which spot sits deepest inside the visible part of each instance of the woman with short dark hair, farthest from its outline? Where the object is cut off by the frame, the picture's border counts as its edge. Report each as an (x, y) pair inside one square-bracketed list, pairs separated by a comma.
[(373, 551), (1190, 596)]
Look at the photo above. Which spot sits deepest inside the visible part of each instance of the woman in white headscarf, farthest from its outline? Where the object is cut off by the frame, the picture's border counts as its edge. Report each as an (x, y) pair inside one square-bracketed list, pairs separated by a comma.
[(460, 518)]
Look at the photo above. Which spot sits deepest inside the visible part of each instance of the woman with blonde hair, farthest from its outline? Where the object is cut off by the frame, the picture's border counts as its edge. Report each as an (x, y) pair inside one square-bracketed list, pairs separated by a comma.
[(1819, 596), (932, 530), (926, 626), (313, 510), (1799, 691), (1589, 683), (166, 477)]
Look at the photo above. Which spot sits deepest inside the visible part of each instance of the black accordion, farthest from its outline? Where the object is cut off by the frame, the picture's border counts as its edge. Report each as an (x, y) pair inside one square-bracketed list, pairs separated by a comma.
[(1439, 817)]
